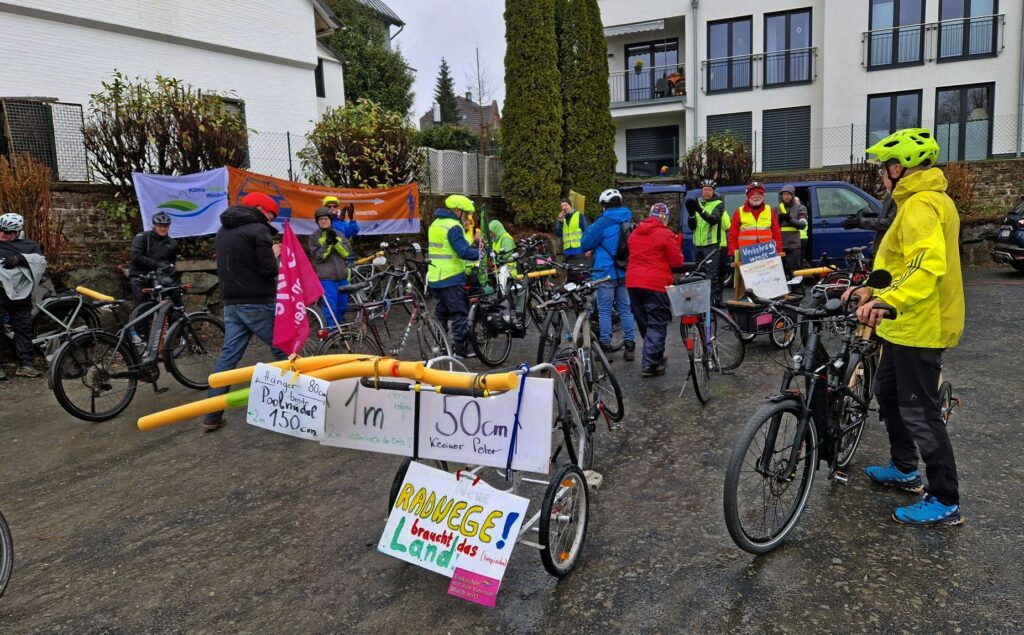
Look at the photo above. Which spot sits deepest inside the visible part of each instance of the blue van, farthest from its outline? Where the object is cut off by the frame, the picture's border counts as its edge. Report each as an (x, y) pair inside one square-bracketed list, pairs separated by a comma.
[(828, 204)]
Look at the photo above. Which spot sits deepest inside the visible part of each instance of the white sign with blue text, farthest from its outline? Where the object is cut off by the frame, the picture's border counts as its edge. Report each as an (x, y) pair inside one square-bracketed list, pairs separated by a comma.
[(762, 270)]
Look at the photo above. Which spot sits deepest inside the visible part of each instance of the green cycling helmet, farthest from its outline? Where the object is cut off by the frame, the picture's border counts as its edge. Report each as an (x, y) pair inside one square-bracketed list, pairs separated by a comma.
[(910, 146), (459, 202)]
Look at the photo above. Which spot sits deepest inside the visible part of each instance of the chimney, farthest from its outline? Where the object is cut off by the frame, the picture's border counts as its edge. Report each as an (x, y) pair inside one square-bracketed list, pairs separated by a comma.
[(469, 95)]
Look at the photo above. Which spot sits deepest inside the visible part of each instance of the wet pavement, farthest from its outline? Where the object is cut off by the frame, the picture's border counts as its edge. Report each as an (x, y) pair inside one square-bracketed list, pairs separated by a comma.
[(243, 530)]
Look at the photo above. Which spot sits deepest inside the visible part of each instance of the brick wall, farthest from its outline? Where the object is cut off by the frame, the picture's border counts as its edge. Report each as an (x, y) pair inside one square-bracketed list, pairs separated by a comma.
[(92, 238)]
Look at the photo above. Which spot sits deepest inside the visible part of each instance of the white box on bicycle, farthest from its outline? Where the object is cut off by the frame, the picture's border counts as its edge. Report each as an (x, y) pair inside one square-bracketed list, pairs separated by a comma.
[(690, 298)]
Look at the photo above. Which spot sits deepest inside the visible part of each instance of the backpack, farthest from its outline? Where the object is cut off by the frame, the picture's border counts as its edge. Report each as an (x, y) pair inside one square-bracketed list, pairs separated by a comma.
[(621, 256)]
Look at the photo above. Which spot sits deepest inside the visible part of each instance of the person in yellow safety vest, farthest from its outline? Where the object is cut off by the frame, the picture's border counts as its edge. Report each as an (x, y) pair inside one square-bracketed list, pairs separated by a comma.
[(504, 246), (792, 223), (448, 251), (921, 251), (570, 226), (710, 223), (754, 223)]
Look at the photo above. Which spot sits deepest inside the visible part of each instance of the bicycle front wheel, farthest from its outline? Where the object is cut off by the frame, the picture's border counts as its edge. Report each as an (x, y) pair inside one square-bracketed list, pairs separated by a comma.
[(94, 377), (700, 371), (783, 331), (606, 384), (564, 513), (193, 348), (6, 554), (432, 338), (727, 346), (764, 497)]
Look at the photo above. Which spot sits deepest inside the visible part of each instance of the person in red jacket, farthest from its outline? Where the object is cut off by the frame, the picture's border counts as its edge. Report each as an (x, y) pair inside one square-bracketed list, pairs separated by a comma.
[(754, 222), (653, 254)]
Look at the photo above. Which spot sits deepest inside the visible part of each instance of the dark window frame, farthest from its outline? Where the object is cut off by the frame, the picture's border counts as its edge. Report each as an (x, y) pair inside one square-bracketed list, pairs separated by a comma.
[(788, 81), (966, 42), (892, 110), (894, 52), (962, 124), (318, 77), (660, 159), (628, 68), (731, 57)]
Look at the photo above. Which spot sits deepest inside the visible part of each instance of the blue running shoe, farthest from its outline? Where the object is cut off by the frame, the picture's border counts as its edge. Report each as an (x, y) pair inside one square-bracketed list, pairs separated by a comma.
[(891, 475), (928, 512)]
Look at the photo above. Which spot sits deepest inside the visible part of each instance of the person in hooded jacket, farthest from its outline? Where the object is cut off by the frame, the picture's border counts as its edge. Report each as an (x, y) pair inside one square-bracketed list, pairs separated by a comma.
[(347, 228), (653, 254), (13, 250), (448, 252), (503, 246), (329, 252), (709, 221), (247, 270), (602, 238), (792, 223)]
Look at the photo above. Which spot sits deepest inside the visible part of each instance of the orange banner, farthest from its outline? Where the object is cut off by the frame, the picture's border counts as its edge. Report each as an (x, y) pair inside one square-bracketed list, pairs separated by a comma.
[(393, 210)]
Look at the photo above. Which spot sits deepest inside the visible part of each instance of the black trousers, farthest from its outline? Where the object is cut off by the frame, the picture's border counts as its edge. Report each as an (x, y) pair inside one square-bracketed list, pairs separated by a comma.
[(652, 312), (20, 312), (451, 303), (907, 388)]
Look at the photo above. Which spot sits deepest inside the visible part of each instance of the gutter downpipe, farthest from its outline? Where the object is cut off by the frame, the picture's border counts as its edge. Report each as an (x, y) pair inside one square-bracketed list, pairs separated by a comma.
[(1020, 87), (696, 82)]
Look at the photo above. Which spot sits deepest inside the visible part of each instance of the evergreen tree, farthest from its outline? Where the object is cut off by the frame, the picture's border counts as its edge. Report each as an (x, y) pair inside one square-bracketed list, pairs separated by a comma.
[(588, 141), (372, 70), (531, 128), (444, 94)]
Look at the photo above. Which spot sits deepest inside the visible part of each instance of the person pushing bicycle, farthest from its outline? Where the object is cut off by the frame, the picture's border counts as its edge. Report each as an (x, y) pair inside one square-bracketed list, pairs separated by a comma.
[(15, 253)]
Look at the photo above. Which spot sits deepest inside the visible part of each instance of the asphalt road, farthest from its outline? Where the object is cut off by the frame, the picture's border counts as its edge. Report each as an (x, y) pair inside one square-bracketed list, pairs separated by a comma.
[(245, 531)]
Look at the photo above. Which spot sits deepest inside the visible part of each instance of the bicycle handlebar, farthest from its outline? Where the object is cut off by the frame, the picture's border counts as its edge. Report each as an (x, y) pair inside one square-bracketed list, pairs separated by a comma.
[(95, 295), (815, 271), (368, 259), (832, 307), (539, 274)]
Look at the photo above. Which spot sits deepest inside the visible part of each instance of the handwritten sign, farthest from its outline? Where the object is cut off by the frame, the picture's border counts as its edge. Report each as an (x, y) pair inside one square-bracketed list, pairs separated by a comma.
[(367, 419), (287, 402), (443, 523), (478, 431), (756, 253), (765, 277)]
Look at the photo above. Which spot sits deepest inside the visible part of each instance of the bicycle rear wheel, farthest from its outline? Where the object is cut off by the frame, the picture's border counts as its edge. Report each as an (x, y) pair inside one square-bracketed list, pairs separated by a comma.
[(700, 371), (6, 554), (491, 350), (193, 348), (347, 342), (763, 500), (432, 338), (727, 346), (573, 428), (93, 377), (608, 391)]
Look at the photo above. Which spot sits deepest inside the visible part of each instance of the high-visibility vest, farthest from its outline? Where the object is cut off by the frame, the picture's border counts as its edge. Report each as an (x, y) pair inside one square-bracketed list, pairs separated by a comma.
[(505, 246), (572, 235), (444, 262), (701, 235), (755, 230), (787, 228)]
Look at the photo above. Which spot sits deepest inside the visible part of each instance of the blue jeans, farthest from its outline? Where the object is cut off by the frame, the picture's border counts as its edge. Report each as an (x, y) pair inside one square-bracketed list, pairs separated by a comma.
[(334, 298), (241, 322), (607, 293)]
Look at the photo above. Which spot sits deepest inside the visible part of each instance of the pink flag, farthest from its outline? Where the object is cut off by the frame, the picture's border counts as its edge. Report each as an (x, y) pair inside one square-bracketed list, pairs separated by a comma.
[(297, 288)]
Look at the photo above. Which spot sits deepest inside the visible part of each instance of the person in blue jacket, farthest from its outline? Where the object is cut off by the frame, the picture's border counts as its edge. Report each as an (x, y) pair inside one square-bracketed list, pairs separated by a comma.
[(602, 238), (347, 228), (448, 250)]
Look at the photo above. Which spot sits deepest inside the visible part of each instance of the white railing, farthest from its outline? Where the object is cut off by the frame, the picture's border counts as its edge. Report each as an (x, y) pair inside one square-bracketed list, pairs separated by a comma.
[(454, 172), (646, 83)]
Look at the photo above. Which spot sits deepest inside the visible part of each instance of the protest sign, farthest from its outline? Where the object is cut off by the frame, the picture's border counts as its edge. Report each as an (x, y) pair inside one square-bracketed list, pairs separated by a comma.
[(443, 523), (478, 430), (287, 402), (761, 270), (362, 418)]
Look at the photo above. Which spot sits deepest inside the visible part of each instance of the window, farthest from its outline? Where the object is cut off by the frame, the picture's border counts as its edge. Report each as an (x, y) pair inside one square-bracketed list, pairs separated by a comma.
[(647, 67), (967, 28), (737, 123), (896, 33), (838, 202), (963, 122), (787, 139), (648, 149), (787, 44), (729, 59), (891, 112), (735, 200), (318, 76)]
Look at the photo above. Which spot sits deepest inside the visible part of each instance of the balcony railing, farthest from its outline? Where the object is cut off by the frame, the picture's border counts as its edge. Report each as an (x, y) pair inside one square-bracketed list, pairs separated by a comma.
[(767, 70), (648, 83), (792, 66), (945, 41)]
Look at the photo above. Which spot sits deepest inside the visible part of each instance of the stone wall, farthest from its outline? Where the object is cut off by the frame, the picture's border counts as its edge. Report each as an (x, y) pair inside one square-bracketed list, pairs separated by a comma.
[(92, 238)]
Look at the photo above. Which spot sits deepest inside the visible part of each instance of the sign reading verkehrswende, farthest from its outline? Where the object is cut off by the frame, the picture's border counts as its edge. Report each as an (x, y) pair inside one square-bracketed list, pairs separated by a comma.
[(193, 201)]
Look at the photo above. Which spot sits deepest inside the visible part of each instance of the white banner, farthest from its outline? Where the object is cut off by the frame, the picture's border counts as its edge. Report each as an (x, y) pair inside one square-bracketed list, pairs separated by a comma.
[(193, 201)]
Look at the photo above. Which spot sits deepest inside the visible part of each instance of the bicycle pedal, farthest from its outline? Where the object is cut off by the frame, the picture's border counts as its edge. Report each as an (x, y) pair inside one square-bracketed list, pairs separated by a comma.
[(841, 478), (159, 391)]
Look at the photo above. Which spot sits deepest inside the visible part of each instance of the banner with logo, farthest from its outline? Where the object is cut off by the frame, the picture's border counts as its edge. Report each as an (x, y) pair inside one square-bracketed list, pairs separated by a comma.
[(193, 201), (393, 210)]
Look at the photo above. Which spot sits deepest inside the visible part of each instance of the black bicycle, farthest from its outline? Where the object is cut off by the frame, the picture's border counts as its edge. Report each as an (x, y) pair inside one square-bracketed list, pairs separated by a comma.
[(95, 374), (817, 415), (6, 554)]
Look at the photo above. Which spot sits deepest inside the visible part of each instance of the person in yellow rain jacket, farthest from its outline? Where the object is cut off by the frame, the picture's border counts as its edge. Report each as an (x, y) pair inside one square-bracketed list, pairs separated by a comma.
[(921, 252)]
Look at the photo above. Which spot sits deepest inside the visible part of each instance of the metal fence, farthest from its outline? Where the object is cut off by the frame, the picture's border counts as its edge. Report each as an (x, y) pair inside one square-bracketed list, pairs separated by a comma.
[(454, 172), (49, 131)]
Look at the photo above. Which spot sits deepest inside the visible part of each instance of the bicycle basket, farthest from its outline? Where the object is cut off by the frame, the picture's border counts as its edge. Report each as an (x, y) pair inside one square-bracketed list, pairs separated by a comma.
[(690, 298)]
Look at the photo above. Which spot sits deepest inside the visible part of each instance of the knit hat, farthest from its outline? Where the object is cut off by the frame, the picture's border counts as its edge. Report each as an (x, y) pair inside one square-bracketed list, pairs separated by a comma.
[(660, 210), (755, 186)]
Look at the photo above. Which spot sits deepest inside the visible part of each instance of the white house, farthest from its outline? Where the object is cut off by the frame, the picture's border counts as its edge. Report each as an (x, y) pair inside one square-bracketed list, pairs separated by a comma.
[(810, 83), (264, 53)]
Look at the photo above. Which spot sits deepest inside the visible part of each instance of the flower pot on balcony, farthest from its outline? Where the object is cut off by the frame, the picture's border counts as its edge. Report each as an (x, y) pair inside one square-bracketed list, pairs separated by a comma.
[(638, 67)]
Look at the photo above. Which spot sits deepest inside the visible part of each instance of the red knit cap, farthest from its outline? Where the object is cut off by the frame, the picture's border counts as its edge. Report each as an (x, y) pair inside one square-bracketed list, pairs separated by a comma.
[(252, 199)]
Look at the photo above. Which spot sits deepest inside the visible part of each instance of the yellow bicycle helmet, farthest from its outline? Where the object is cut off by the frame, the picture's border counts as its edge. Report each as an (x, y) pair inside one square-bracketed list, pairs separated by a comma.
[(330, 199), (459, 202), (910, 146)]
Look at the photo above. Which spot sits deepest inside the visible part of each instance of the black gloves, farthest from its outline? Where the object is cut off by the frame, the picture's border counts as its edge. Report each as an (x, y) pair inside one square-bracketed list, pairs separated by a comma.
[(17, 260), (851, 222), (691, 205), (351, 209), (332, 237)]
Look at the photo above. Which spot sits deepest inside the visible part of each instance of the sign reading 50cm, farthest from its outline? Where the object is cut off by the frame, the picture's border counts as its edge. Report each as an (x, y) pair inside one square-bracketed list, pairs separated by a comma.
[(471, 426)]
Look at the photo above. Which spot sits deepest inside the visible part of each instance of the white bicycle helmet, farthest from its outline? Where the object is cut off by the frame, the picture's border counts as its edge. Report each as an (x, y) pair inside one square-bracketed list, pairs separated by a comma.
[(608, 195), (11, 222)]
